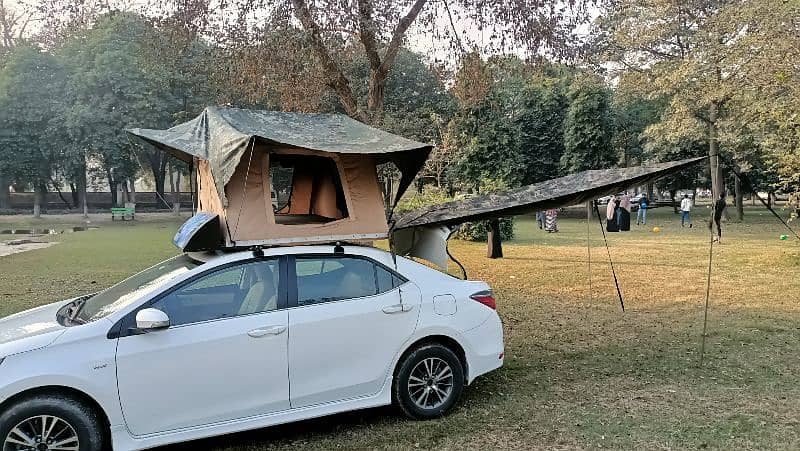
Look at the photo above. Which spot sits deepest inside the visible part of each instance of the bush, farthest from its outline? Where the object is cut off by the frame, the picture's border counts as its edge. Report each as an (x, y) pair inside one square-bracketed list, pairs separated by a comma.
[(479, 231), (432, 195)]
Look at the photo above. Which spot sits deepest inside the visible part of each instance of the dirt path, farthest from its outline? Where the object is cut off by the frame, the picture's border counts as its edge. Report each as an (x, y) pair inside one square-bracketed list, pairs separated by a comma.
[(6, 249)]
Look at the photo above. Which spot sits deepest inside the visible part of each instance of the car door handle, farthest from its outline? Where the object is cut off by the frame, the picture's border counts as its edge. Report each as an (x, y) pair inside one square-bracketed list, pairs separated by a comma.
[(397, 308), (264, 331)]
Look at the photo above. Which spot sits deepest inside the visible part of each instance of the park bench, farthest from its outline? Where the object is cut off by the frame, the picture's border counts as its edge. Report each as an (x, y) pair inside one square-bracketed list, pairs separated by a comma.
[(122, 212)]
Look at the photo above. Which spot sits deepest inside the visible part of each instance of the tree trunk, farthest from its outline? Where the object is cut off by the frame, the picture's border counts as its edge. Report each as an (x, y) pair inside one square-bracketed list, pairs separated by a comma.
[(158, 165), (133, 190), (40, 199), (73, 190), (739, 199), (112, 188), (124, 191), (174, 187), (377, 88), (5, 195), (650, 190), (495, 247), (717, 177), (80, 186), (672, 193)]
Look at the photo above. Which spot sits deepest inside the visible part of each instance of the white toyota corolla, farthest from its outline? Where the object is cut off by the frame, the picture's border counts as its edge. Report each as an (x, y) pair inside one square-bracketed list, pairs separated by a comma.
[(208, 344)]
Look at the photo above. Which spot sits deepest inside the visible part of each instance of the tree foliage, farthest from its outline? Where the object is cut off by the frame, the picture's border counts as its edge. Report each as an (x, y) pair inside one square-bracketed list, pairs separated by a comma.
[(587, 127), (30, 128)]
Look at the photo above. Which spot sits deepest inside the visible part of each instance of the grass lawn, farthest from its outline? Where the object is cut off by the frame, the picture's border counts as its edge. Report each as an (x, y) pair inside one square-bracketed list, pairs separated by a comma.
[(579, 372)]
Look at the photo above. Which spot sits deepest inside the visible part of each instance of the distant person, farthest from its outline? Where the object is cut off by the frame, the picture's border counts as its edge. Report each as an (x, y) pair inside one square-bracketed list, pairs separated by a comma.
[(624, 217), (551, 220), (540, 219), (641, 215), (611, 215), (686, 209), (719, 208)]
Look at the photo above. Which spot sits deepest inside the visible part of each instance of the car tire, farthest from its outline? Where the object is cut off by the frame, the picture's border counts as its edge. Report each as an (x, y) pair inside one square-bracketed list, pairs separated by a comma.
[(68, 419), (429, 382)]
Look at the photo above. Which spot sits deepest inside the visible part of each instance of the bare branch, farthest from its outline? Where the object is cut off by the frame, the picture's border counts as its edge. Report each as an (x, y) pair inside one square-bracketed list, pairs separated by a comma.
[(366, 25), (399, 34), (336, 79)]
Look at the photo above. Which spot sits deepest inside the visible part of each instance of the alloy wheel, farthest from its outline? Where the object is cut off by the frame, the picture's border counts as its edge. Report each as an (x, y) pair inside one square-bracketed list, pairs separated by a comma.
[(42, 433), (430, 383)]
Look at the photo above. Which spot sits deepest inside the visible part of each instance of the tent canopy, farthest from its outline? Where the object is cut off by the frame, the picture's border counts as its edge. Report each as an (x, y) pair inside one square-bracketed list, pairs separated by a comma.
[(559, 192), (222, 136), (424, 232)]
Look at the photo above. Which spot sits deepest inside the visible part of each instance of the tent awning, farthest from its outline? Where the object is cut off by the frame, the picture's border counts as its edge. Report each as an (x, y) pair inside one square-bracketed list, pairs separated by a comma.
[(424, 232), (222, 136), (560, 192)]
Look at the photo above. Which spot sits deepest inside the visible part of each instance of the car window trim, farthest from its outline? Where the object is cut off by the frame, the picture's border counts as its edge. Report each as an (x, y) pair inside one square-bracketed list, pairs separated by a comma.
[(291, 264), (122, 327)]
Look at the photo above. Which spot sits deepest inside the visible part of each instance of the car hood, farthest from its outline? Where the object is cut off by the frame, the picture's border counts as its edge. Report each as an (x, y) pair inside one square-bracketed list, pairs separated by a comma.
[(31, 329)]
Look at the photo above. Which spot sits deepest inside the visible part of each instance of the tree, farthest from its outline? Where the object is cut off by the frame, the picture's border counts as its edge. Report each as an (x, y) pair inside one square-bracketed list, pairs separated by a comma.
[(380, 28), (540, 121), (118, 80), (30, 115), (587, 126), (700, 56), (14, 23), (483, 129)]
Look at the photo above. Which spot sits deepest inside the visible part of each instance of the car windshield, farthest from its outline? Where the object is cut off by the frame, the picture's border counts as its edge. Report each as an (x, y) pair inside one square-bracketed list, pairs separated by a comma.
[(120, 295)]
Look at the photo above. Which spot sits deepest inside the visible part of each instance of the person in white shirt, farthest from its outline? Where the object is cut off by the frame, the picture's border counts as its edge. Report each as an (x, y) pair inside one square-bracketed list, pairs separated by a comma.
[(686, 208)]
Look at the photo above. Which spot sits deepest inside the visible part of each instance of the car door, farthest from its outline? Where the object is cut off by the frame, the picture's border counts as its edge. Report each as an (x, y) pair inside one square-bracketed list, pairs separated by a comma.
[(348, 319), (223, 357)]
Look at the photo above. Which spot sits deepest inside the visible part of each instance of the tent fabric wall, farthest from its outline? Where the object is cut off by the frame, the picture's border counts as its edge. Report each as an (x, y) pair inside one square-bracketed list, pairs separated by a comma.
[(207, 195), (249, 213)]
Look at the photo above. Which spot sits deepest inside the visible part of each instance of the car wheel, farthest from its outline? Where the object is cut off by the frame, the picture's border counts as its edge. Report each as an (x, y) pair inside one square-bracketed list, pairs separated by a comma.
[(50, 423), (429, 382)]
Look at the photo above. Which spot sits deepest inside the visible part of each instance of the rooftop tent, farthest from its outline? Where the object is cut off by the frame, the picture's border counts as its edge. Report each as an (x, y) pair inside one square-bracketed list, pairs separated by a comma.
[(323, 165)]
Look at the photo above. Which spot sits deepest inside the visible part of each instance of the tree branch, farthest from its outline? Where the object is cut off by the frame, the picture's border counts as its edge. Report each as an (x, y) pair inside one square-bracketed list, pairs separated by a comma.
[(399, 34), (336, 79), (366, 26)]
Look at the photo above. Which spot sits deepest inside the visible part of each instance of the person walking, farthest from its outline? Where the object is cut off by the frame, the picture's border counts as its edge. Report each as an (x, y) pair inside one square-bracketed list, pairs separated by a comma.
[(641, 215), (540, 219), (551, 220), (686, 209), (719, 208)]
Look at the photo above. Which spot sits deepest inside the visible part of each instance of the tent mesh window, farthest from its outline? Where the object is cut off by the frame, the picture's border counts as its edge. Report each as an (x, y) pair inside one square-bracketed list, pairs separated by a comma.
[(306, 189)]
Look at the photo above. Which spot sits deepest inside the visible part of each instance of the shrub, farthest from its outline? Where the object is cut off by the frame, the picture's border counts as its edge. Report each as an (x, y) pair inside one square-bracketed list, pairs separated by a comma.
[(479, 231)]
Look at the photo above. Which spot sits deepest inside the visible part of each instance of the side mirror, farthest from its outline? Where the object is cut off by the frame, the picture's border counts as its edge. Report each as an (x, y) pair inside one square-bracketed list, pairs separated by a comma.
[(151, 319)]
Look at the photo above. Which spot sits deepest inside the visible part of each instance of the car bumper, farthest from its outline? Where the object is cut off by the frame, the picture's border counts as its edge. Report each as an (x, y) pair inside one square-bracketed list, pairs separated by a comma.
[(487, 350)]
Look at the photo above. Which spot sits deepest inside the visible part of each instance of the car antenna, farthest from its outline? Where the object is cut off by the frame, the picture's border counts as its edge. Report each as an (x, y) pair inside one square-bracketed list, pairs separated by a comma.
[(338, 249)]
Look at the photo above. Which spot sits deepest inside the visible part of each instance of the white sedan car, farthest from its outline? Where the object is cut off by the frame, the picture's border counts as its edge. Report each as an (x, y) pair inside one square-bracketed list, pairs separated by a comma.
[(208, 344)]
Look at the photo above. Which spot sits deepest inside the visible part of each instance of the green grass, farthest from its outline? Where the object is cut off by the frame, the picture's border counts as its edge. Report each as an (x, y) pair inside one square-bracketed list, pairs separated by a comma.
[(579, 372)]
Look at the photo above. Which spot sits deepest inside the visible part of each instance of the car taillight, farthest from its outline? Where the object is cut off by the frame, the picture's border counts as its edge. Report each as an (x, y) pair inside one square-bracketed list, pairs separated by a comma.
[(486, 298)]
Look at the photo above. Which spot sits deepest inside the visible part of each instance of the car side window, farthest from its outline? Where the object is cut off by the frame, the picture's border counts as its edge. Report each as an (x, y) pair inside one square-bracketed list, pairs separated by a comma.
[(387, 280), (327, 279), (234, 291)]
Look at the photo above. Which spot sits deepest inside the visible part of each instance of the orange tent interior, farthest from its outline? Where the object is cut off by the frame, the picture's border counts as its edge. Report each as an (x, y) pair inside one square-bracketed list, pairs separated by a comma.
[(280, 195)]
